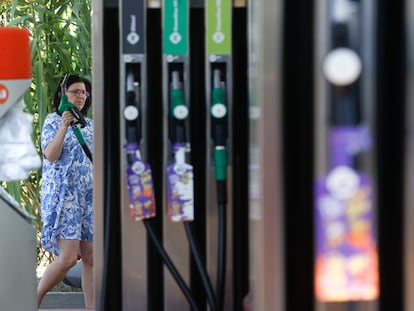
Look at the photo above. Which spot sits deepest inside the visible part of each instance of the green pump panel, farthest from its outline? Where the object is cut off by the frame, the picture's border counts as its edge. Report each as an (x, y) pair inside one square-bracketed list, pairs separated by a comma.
[(218, 27), (175, 27)]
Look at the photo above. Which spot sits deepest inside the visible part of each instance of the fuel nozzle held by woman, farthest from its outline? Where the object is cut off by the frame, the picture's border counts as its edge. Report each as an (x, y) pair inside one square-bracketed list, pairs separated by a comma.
[(79, 122), (66, 105)]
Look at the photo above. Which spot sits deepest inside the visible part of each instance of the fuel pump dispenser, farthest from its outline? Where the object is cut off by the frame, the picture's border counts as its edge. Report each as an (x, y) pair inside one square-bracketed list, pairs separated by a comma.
[(218, 87), (345, 209), (140, 184), (180, 173), (19, 158), (136, 173), (178, 185), (153, 218)]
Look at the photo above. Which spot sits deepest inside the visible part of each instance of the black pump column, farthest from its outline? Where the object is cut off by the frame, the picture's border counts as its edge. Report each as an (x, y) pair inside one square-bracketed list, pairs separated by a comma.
[(137, 201), (219, 86)]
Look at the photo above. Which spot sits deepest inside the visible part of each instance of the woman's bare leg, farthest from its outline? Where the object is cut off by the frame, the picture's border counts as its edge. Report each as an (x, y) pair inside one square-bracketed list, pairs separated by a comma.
[(87, 273), (56, 271)]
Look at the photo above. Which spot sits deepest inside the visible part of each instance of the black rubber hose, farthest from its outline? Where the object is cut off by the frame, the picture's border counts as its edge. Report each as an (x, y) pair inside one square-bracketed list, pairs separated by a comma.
[(221, 258), (105, 273), (201, 268), (167, 261), (87, 151)]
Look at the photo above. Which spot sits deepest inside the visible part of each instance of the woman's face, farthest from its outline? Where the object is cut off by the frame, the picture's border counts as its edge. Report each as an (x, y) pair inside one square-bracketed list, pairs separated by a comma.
[(77, 94)]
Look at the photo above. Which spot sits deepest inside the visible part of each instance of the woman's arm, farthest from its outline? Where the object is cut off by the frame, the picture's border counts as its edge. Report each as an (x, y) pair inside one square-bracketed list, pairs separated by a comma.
[(54, 148)]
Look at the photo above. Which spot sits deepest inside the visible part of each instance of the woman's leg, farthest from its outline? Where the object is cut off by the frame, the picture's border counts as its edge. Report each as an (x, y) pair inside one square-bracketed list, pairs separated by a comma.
[(56, 271), (87, 273)]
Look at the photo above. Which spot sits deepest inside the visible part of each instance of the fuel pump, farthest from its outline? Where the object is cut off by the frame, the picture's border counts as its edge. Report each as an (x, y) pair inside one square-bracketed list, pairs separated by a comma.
[(136, 171), (139, 176), (139, 144), (180, 173), (19, 158), (218, 79), (345, 225), (180, 190)]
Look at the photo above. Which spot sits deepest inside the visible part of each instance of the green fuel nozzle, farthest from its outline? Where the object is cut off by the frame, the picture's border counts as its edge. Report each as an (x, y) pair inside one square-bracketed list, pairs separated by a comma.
[(79, 135), (218, 111), (179, 109), (219, 126), (220, 162), (66, 105)]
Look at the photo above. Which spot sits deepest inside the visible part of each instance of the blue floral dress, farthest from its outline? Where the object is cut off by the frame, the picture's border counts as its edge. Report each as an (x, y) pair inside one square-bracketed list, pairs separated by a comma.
[(67, 187)]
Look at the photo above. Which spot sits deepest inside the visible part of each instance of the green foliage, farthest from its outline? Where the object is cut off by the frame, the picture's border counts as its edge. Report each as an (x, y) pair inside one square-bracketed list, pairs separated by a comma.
[(60, 33)]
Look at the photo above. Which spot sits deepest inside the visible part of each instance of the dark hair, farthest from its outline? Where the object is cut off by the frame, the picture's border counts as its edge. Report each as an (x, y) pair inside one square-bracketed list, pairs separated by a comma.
[(73, 78)]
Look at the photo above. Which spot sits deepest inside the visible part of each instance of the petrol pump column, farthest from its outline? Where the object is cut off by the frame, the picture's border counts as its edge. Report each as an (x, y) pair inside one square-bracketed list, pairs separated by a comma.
[(133, 76), (141, 198), (345, 230), (219, 90), (138, 199)]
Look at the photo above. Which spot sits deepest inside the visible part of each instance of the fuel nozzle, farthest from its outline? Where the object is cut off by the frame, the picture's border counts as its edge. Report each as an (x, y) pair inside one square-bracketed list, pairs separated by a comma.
[(219, 126), (66, 105), (179, 109), (132, 109), (80, 122)]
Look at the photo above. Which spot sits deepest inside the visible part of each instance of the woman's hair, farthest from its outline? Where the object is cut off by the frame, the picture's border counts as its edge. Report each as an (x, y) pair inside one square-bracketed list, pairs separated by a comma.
[(73, 78)]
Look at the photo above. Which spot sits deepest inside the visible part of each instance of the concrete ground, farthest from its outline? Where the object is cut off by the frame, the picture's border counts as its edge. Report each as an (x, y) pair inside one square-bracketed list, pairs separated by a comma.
[(57, 301)]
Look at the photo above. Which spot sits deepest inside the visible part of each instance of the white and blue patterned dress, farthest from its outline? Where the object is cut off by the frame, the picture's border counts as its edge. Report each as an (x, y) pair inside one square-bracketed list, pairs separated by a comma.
[(67, 187)]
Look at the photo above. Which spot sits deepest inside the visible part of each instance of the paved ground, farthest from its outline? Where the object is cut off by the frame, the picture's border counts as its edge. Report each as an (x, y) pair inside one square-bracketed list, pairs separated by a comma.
[(56, 301)]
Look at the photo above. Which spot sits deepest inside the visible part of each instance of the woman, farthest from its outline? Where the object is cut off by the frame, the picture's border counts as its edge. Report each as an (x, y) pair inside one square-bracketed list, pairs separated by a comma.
[(67, 191)]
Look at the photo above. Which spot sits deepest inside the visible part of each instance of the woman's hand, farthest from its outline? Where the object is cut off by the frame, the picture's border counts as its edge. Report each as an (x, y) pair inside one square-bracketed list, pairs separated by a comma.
[(67, 118)]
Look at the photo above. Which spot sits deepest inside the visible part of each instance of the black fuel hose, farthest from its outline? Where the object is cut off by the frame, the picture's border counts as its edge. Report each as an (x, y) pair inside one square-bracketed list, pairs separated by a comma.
[(200, 267), (168, 262), (222, 245)]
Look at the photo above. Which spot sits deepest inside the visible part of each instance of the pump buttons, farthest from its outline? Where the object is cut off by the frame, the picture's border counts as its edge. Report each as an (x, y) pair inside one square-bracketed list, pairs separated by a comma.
[(342, 66)]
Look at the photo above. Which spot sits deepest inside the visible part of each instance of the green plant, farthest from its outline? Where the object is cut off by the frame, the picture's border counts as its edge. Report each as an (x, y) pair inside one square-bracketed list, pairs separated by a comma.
[(60, 33)]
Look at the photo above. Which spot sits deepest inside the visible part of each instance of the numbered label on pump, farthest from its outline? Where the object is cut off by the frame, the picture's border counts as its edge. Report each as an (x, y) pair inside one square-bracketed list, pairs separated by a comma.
[(140, 184), (180, 187)]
